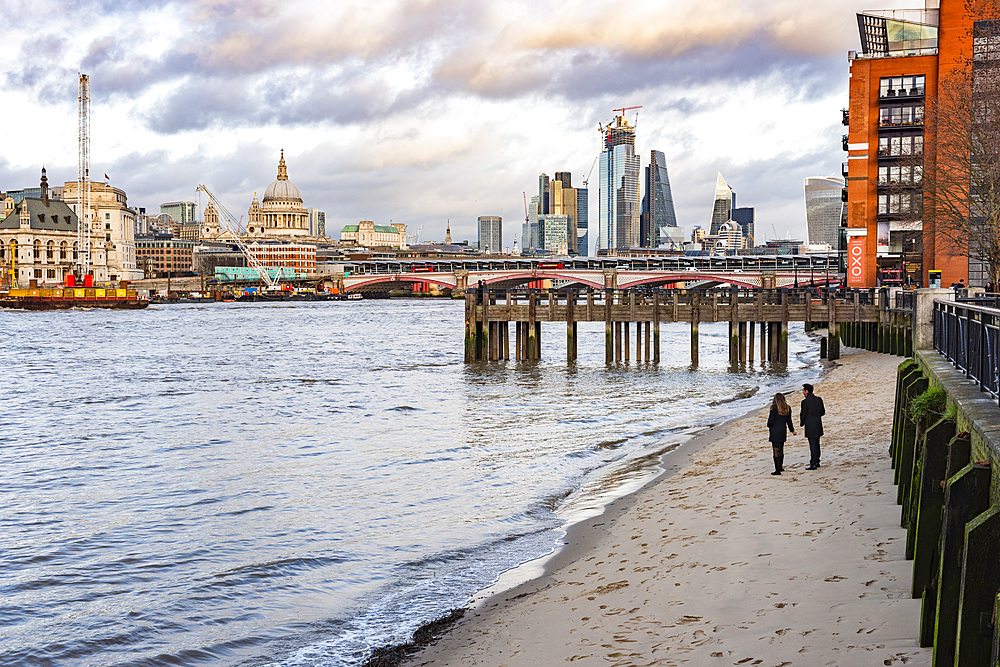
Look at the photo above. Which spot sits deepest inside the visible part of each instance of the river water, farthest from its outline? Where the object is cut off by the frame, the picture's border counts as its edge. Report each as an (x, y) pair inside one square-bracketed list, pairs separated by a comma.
[(295, 484)]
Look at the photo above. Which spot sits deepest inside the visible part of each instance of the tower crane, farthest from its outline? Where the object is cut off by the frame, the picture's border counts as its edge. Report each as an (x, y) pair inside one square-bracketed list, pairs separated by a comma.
[(624, 109), (238, 233), (586, 179), (84, 219)]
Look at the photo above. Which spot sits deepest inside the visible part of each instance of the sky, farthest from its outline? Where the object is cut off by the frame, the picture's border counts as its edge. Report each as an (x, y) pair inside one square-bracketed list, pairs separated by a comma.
[(429, 111)]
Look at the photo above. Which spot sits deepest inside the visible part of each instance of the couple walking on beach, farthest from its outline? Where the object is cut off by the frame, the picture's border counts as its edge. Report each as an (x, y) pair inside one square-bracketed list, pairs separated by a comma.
[(810, 417)]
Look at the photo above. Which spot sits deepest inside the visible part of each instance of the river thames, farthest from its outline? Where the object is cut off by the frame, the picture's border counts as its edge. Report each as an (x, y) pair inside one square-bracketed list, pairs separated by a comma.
[(296, 483)]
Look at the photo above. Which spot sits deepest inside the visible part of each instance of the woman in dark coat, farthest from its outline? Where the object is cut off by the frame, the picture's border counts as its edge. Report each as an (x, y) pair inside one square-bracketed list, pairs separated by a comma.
[(778, 420)]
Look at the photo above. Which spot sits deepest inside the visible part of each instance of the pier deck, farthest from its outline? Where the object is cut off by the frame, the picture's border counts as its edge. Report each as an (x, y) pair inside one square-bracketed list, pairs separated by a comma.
[(488, 314)]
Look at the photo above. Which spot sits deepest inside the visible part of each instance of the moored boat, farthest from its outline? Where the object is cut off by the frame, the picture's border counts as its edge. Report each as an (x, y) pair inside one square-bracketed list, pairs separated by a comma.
[(71, 297)]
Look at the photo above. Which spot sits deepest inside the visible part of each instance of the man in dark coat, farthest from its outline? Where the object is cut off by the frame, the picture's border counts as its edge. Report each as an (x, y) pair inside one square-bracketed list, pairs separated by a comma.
[(811, 417)]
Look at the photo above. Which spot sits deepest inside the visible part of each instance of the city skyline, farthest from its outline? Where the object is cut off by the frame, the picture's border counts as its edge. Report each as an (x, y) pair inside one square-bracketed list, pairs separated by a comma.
[(420, 113)]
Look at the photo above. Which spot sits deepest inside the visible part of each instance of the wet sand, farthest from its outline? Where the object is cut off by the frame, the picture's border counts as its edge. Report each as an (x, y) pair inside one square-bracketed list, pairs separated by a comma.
[(718, 562)]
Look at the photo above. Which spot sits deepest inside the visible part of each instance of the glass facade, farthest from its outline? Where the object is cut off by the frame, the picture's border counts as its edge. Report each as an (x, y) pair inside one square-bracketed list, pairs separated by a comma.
[(620, 207), (582, 222), (824, 210), (658, 203), (490, 233), (722, 210), (555, 232)]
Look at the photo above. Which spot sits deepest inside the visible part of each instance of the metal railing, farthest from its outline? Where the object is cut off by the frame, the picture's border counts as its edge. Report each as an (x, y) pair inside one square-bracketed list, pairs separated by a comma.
[(969, 337)]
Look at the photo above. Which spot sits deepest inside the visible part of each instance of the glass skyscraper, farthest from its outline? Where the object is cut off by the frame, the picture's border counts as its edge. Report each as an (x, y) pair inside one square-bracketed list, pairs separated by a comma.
[(618, 217), (657, 204), (490, 233), (824, 209), (722, 210), (582, 214)]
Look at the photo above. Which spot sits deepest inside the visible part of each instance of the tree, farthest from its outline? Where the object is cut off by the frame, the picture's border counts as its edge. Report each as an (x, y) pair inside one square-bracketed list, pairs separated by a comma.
[(961, 170)]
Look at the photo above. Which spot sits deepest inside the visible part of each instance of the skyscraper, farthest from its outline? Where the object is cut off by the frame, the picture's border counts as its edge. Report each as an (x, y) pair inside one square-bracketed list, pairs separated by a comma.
[(180, 211), (744, 217), (722, 210), (618, 216), (824, 209), (582, 221), (490, 233), (657, 204)]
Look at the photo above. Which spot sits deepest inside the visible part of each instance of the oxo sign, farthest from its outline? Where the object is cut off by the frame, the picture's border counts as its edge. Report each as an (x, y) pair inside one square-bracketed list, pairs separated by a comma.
[(856, 261)]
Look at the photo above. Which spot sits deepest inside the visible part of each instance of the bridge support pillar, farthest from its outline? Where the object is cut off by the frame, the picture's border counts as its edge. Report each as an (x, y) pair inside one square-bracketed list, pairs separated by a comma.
[(461, 280)]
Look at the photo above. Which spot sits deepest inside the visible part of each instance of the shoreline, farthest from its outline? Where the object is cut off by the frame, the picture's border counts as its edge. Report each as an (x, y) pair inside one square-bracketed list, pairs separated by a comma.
[(533, 618)]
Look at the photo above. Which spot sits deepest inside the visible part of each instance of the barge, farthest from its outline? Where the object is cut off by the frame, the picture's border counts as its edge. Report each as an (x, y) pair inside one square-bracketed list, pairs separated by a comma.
[(71, 297)]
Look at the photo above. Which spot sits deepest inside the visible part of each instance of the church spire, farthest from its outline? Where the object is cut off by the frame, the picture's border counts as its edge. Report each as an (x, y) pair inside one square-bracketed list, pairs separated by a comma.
[(45, 188), (447, 235), (282, 169)]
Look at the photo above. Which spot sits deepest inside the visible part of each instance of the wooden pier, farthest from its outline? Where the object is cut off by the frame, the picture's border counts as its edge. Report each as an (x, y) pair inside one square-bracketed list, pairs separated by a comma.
[(488, 315)]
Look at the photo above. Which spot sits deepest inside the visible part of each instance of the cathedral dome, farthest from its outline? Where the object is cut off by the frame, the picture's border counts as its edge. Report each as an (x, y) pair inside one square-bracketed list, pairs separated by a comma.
[(282, 189)]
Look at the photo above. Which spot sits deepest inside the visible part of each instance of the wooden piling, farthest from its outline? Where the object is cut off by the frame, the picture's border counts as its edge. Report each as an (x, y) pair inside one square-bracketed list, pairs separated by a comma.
[(618, 342), (750, 340), (532, 328), (656, 327), (646, 330), (570, 328), (470, 326), (625, 329), (742, 335), (695, 315), (609, 331)]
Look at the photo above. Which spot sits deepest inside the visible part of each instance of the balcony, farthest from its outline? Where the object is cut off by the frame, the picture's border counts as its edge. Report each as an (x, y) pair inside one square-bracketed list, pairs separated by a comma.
[(844, 142), (843, 169), (904, 93), (846, 117)]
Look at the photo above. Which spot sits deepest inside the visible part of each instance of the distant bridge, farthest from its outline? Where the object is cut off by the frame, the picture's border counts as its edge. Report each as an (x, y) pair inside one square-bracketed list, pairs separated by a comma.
[(596, 279), (749, 271)]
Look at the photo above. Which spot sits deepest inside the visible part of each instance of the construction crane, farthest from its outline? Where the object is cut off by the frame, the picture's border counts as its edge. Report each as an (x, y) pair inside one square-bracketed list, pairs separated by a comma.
[(83, 179), (415, 238), (586, 179), (239, 235), (624, 109), (524, 195)]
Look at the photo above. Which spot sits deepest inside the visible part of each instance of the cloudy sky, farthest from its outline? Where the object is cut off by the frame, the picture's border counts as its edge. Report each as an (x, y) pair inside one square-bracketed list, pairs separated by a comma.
[(421, 111)]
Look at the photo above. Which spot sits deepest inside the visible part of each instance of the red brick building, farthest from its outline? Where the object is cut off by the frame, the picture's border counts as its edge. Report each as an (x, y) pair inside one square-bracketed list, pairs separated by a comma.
[(905, 56)]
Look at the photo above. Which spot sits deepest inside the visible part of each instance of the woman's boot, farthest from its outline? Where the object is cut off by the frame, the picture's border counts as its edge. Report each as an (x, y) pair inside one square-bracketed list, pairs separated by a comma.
[(777, 465)]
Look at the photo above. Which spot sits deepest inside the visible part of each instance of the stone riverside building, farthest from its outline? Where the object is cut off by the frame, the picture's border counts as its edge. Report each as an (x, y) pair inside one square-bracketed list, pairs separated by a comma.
[(366, 233), (38, 241)]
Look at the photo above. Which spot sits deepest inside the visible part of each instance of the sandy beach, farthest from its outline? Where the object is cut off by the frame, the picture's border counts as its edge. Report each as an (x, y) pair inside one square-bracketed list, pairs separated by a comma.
[(717, 561)]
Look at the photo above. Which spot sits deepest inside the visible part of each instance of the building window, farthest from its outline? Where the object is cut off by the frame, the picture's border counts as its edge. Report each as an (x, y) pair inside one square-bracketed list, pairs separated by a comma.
[(900, 146), (904, 203), (899, 86), (895, 116), (51, 273), (900, 175)]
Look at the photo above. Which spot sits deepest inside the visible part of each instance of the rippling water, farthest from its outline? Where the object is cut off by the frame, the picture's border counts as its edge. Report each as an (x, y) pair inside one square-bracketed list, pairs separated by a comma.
[(275, 484)]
